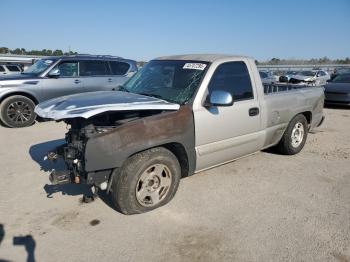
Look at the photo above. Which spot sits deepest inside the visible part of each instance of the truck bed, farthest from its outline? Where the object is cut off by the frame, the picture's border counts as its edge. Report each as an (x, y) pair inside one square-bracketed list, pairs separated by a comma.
[(281, 87)]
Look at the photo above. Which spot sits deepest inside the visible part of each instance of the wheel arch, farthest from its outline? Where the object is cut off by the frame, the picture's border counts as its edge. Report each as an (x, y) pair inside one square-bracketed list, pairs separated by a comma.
[(308, 116), (20, 93), (180, 153)]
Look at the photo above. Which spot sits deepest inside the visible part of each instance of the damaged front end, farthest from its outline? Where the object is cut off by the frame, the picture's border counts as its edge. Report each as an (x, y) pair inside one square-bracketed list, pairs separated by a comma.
[(93, 117), (74, 150)]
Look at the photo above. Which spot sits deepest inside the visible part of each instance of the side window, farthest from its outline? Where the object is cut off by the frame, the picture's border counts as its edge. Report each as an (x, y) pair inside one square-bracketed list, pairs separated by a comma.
[(119, 68), (234, 78), (13, 68), (93, 68), (2, 69), (68, 69)]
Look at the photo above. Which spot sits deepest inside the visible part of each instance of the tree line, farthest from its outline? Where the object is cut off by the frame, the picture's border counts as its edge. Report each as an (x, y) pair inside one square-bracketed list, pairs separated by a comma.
[(273, 61), (44, 52)]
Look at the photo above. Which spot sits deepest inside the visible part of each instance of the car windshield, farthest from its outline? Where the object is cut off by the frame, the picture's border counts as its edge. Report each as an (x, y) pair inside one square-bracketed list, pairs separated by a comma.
[(171, 80), (39, 66), (307, 73), (344, 78)]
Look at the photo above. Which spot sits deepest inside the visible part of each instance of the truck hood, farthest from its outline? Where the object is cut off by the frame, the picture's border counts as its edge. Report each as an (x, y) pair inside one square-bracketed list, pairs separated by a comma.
[(86, 105)]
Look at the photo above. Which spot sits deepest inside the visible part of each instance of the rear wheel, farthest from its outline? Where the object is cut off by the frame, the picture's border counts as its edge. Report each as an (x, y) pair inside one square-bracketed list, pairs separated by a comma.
[(294, 138), (17, 111), (146, 181)]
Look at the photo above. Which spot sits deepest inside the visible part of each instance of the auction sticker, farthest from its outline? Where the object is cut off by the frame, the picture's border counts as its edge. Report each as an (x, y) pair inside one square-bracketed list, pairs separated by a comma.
[(196, 66)]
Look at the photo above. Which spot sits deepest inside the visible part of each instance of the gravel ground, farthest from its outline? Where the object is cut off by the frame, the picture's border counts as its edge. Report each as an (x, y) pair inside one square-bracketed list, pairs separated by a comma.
[(265, 207)]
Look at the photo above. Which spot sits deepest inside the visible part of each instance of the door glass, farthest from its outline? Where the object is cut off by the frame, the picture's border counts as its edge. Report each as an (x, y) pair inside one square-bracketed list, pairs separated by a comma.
[(2, 69), (119, 68), (232, 77), (68, 69), (13, 68), (93, 68)]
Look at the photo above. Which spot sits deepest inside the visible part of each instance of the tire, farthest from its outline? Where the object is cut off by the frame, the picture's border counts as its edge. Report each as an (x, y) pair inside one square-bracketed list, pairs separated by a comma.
[(25, 115), (131, 194), (291, 142)]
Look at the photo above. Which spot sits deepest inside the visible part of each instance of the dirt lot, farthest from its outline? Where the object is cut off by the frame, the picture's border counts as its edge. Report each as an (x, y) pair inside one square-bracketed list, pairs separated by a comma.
[(265, 207)]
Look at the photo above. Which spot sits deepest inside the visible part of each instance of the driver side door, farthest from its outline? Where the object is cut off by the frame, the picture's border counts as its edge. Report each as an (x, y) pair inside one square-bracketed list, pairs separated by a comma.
[(224, 133), (66, 83)]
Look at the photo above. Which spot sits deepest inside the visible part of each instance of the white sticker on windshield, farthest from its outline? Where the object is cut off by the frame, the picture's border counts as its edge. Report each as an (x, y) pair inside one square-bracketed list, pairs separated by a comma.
[(48, 62), (196, 66)]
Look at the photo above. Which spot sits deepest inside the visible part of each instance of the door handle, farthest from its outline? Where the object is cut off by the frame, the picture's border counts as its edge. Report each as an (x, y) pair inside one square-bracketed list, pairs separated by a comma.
[(110, 80), (254, 111), (77, 81)]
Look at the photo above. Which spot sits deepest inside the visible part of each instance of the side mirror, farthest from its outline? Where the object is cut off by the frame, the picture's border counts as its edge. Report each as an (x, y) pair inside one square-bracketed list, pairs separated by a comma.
[(54, 73), (219, 98)]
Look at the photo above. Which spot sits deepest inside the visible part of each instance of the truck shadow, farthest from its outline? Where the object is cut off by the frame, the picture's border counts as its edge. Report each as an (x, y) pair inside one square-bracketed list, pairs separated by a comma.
[(38, 152), (67, 189), (107, 199), (27, 241)]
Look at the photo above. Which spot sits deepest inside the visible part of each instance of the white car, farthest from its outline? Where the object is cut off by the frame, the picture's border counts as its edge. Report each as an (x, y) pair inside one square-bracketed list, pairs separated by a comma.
[(9, 69), (317, 77), (267, 77)]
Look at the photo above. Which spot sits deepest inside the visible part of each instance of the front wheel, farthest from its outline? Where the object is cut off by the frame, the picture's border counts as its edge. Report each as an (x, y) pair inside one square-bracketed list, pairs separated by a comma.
[(294, 138), (17, 111), (146, 181)]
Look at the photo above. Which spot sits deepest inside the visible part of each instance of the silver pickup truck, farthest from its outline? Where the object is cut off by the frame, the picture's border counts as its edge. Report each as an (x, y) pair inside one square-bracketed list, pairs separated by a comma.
[(177, 116)]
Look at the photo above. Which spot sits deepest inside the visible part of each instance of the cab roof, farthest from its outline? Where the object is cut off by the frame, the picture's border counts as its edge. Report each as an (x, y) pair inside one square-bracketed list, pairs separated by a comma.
[(201, 57)]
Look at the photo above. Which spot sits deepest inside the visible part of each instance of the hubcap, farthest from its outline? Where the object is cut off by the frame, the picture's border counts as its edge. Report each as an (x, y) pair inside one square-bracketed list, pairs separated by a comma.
[(19, 112), (153, 185), (297, 134)]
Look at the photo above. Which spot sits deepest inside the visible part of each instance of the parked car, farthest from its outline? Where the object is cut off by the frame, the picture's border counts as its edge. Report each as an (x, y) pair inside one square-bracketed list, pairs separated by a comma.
[(267, 77), (58, 76), (339, 71), (175, 117), (286, 77), (337, 90), (9, 69), (317, 77)]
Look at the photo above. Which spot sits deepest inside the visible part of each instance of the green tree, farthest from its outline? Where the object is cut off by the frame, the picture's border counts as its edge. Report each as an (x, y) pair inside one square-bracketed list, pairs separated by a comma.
[(17, 51), (4, 50), (57, 52)]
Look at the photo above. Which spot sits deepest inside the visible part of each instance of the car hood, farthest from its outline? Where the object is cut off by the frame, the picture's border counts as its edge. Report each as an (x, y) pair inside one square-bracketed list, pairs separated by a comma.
[(337, 87), (17, 77), (86, 105), (303, 78)]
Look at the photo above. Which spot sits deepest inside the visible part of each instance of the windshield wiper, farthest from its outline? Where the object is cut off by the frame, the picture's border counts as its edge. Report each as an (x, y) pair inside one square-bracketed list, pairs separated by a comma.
[(159, 97)]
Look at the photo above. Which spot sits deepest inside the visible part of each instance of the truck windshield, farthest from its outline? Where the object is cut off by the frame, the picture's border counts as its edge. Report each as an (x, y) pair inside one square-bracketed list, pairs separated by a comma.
[(171, 80), (39, 66)]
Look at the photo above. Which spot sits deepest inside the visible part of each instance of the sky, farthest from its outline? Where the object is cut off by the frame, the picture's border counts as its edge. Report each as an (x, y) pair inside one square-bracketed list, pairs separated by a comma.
[(143, 30)]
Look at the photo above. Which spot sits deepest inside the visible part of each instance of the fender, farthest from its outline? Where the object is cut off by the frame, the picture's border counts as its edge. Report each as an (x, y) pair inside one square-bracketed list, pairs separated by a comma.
[(7, 92), (111, 149)]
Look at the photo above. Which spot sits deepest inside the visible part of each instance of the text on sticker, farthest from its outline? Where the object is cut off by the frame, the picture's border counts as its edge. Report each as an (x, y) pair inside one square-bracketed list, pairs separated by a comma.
[(197, 66)]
